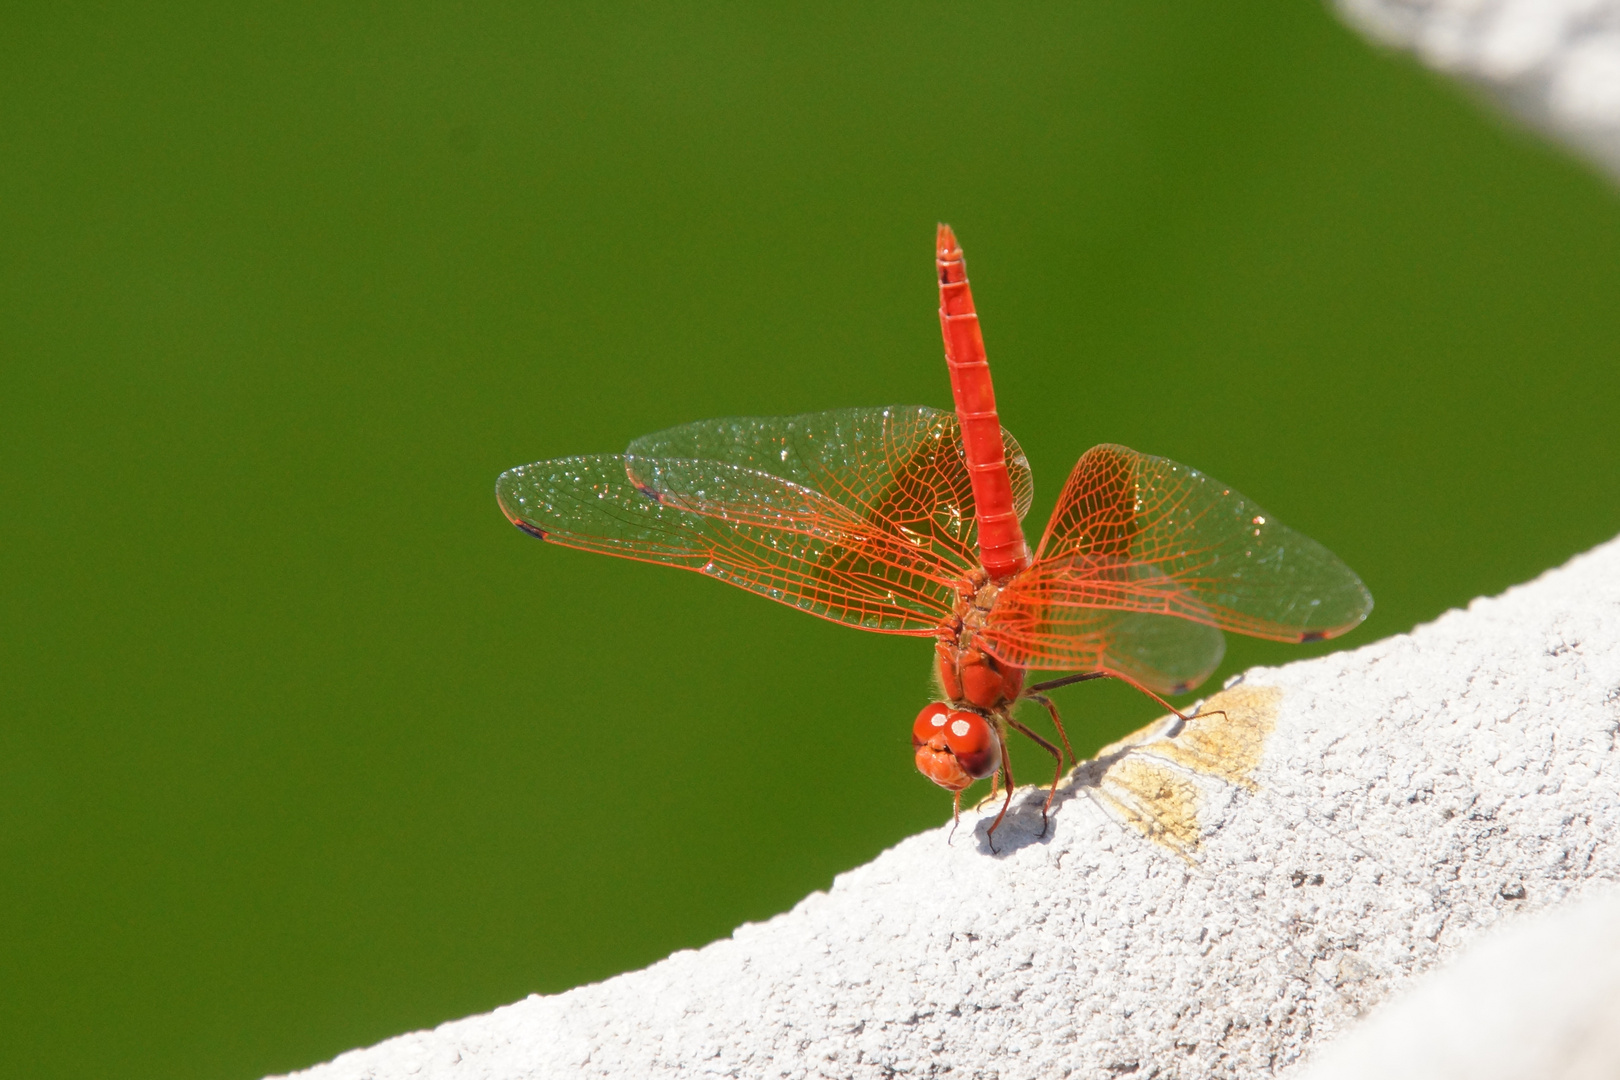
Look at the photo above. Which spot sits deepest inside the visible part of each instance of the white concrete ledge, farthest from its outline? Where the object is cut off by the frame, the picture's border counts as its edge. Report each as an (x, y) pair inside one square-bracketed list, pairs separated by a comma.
[(1538, 1000), (1212, 903), (1556, 63)]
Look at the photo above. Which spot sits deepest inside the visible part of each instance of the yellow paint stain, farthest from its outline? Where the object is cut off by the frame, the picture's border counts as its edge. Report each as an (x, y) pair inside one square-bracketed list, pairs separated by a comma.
[(1228, 736), (1148, 776), (1160, 804)]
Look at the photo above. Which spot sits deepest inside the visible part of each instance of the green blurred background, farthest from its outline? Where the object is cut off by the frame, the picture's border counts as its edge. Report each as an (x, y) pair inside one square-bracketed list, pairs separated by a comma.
[(301, 745)]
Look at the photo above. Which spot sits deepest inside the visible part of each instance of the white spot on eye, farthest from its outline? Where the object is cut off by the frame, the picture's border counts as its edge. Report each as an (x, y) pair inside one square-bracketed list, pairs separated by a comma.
[(960, 728), (939, 719)]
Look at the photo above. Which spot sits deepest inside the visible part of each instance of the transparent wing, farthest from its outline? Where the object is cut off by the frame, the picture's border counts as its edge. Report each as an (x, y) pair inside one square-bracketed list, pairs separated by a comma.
[(1139, 533), (861, 516), (900, 467), (1165, 654)]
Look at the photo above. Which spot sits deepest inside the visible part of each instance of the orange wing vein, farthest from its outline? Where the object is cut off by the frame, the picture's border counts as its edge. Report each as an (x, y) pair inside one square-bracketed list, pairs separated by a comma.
[(860, 516), (1138, 534)]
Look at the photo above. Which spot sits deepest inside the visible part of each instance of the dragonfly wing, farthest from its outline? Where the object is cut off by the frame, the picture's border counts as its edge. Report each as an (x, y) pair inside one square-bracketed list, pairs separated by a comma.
[(900, 467), (1165, 654), (753, 530), (1142, 533)]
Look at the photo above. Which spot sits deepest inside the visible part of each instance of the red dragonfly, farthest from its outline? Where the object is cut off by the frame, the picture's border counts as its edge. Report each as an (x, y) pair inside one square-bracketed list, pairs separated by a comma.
[(907, 520)]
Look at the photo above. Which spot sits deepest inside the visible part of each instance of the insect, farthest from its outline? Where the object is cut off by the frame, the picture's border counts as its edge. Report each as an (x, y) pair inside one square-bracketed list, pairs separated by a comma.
[(908, 520)]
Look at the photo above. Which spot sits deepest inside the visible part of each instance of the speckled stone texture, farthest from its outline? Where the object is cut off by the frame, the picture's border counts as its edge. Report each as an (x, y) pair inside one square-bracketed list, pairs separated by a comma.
[(1209, 902), (1538, 999)]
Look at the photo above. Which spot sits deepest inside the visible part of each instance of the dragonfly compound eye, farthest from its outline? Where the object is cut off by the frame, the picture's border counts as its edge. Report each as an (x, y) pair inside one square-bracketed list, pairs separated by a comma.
[(954, 748), (975, 746), (930, 726), (935, 759)]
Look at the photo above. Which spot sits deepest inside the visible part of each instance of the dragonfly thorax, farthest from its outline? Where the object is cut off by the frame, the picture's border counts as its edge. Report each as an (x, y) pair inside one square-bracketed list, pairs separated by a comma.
[(971, 676), (967, 673), (976, 597)]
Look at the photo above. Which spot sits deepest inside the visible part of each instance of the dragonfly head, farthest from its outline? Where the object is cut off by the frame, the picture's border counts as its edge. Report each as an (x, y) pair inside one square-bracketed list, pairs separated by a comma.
[(954, 747)]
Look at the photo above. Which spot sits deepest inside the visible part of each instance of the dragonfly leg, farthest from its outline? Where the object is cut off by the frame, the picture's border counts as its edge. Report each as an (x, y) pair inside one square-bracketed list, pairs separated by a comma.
[(1139, 688), (1070, 680), (995, 789), (1056, 753), (1057, 722), (1126, 679), (1006, 767)]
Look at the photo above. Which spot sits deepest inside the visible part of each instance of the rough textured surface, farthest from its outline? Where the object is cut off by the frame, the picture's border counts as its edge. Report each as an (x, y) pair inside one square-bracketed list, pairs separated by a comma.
[(1206, 904), (1554, 62), (1551, 1010)]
